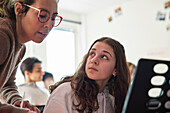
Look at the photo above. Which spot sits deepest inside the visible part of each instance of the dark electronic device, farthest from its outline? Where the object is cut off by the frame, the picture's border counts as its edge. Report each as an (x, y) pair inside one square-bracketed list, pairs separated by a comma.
[(149, 91)]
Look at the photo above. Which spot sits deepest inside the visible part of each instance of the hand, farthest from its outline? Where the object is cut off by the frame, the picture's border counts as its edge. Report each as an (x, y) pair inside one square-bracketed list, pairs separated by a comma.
[(26, 104)]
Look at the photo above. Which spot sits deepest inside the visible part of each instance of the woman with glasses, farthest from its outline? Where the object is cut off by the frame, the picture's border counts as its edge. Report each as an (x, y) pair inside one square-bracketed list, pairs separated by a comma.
[(99, 85), (21, 21)]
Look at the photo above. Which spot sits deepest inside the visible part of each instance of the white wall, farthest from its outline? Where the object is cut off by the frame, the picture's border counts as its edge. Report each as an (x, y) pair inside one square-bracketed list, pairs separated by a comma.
[(137, 29)]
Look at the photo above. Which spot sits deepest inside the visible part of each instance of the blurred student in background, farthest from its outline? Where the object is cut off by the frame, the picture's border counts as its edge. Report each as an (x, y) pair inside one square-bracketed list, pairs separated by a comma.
[(47, 80), (99, 85), (131, 69), (21, 21), (32, 71)]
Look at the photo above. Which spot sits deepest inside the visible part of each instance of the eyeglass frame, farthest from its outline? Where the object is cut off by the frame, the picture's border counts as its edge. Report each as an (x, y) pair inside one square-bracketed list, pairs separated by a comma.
[(40, 10)]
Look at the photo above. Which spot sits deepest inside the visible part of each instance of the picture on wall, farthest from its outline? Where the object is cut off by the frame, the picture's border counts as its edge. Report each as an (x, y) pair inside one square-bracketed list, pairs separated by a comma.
[(161, 16), (110, 19), (168, 27), (167, 4), (118, 11)]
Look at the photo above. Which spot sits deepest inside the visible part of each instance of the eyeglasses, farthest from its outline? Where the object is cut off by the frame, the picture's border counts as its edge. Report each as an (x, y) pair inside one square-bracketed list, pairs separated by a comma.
[(44, 16)]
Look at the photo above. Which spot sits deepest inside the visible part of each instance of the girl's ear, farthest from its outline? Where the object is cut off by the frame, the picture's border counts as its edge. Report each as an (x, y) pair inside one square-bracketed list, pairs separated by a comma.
[(18, 8), (114, 73)]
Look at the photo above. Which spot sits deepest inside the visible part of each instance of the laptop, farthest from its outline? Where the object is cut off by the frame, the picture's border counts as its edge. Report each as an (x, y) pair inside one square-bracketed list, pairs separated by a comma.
[(149, 91)]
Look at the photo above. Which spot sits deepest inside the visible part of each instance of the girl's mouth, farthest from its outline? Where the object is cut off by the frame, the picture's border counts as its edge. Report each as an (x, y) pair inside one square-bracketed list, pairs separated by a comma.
[(93, 69)]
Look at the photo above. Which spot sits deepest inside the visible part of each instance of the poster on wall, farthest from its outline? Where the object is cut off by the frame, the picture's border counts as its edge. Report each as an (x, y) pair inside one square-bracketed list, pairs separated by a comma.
[(110, 19), (160, 16), (168, 27), (118, 11), (167, 4)]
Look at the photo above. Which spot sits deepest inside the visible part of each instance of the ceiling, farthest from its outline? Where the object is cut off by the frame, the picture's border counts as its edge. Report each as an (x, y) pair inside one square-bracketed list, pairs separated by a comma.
[(87, 6)]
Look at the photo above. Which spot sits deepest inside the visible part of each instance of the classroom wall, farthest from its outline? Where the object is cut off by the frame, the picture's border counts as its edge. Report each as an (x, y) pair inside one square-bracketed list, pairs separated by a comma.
[(136, 28)]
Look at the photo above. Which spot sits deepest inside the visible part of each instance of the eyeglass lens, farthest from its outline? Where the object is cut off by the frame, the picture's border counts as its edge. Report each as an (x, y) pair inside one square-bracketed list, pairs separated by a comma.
[(44, 17)]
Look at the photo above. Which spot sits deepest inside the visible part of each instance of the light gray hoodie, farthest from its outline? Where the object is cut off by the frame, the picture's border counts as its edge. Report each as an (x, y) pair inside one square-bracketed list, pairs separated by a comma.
[(60, 101)]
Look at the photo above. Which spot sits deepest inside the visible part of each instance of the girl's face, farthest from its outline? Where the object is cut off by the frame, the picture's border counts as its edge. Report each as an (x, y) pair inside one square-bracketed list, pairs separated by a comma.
[(30, 28), (100, 65)]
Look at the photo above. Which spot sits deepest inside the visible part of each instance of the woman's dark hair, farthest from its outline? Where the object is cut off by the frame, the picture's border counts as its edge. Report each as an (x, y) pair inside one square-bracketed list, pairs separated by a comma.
[(86, 90), (28, 64), (7, 8)]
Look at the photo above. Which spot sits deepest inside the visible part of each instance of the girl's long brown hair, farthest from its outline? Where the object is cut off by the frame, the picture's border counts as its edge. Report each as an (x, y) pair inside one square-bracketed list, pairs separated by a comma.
[(86, 90)]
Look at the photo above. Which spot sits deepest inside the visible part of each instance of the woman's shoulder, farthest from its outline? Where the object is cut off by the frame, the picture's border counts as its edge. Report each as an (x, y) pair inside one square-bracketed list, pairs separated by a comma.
[(5, 41), (7, 26), (5, 22), (7, 30)]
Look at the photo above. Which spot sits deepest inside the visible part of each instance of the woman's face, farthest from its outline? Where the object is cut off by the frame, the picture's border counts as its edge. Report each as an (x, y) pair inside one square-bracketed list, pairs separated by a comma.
[(30, 28), (100, 65)]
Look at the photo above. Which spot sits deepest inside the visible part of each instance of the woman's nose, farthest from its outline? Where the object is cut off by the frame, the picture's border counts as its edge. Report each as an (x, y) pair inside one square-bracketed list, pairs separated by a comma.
[(48, 24)]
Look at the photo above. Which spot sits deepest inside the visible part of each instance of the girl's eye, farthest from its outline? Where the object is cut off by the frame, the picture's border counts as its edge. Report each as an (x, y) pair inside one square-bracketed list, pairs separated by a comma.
[(91, 54), (105, 57)]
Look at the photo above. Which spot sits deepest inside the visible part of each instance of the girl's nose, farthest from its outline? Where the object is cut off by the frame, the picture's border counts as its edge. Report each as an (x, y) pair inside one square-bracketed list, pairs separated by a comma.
[(95, 60)]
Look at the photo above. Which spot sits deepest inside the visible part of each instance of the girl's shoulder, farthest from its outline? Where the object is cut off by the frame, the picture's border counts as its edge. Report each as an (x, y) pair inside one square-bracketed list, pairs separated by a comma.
[(63, 88)]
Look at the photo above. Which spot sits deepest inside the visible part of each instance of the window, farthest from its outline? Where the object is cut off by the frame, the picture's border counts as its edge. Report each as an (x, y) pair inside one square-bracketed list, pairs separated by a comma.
[(60, 53)]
